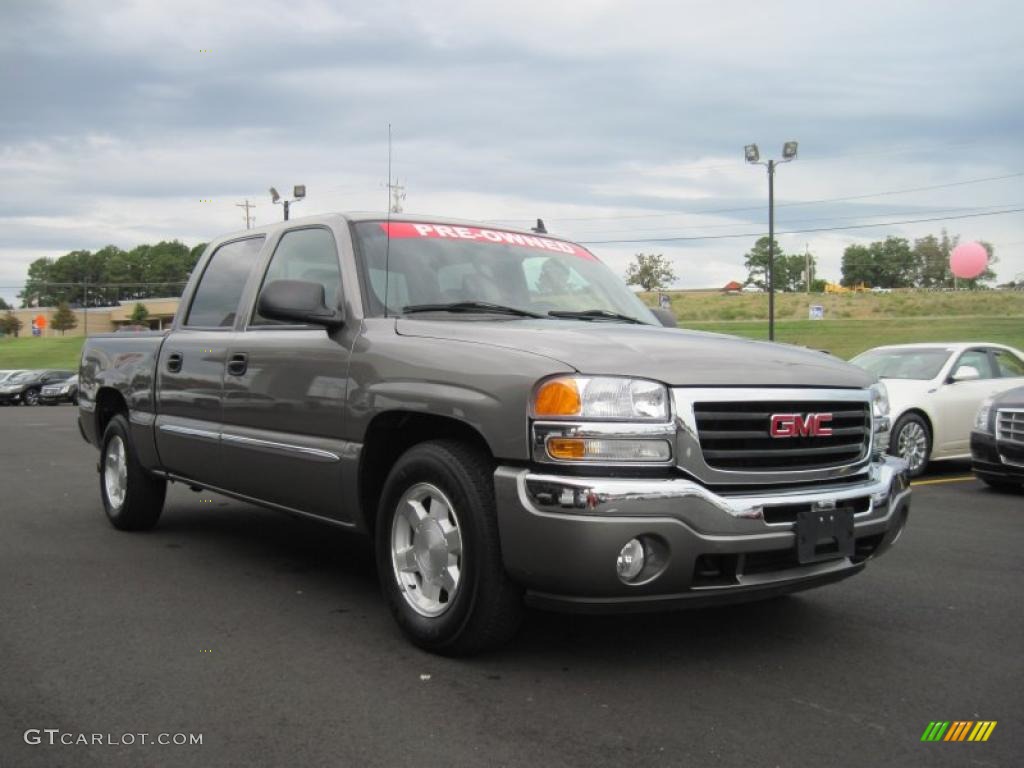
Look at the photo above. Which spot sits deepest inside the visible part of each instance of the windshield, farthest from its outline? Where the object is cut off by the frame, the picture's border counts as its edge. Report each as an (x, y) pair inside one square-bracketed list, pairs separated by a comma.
[(923, 364), (18, 378), (430, 264)]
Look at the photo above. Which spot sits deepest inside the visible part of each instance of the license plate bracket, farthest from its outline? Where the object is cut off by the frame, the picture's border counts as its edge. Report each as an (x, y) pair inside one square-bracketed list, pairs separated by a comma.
[(824, 534)]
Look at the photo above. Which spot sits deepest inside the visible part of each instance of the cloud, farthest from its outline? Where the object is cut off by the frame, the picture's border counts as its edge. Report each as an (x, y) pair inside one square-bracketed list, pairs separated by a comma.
[(122, 117)]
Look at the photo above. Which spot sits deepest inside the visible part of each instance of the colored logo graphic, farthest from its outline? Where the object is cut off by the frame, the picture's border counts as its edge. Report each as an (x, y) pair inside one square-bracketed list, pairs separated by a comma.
[(959, 730)]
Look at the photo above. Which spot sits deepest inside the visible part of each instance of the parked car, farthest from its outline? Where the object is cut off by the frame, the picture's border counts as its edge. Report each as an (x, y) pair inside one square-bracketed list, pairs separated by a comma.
[(505, 419), (24, 388), (997, 441), (5, 375), (60, 392), (934, 393)]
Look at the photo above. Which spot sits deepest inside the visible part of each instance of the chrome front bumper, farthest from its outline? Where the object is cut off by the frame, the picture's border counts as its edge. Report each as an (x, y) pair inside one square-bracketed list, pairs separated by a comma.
[(560, 535)]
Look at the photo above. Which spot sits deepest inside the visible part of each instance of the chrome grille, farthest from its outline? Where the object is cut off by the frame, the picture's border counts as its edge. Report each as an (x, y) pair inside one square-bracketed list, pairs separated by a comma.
[(1010, 425), (735, 436)]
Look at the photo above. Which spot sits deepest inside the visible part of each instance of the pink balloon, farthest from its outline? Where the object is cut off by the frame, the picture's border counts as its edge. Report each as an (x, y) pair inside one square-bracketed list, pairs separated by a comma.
[(968, 260)]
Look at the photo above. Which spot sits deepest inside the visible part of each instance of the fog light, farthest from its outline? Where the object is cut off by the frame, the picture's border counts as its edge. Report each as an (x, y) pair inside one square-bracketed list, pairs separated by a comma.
[(630, 561)]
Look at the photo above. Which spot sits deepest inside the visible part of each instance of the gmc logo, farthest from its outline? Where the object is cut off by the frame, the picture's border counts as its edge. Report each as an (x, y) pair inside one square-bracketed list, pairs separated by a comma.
[(795, 425)]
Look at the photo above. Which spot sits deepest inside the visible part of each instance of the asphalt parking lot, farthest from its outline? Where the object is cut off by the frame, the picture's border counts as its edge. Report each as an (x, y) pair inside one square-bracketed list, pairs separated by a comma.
[(267, 636)]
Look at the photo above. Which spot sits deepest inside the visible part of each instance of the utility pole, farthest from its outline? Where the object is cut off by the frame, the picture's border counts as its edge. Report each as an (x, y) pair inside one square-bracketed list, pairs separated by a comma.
[(397, 192), (247, 205), (807, 263), (85, 308)]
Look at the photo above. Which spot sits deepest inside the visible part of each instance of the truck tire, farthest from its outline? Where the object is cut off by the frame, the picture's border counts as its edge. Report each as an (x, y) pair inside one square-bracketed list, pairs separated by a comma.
[(132, 497), (438, 551), (912, 440)]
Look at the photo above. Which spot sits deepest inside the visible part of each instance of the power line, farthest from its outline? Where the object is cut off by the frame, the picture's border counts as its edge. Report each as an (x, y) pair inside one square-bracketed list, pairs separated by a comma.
[(779, 205), (702, 227), (800, 231)]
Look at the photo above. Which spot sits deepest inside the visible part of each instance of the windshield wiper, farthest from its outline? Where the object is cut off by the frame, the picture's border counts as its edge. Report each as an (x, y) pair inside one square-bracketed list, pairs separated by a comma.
[(470, 306), (592, 314)]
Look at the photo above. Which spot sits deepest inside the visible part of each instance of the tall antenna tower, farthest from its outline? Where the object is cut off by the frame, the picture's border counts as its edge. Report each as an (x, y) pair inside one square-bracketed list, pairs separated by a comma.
[(397, 196)]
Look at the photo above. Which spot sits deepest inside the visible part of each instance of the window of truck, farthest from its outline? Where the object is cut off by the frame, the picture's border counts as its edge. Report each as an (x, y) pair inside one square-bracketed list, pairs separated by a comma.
[(304, 254), (437, 263), (215, 302)]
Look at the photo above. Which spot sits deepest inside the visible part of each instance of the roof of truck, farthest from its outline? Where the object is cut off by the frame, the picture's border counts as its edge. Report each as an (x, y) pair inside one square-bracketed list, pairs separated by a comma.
[(357, 216)]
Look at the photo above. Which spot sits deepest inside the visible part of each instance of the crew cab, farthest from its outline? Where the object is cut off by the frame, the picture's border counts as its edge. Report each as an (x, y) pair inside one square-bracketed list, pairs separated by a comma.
[(505, 419)]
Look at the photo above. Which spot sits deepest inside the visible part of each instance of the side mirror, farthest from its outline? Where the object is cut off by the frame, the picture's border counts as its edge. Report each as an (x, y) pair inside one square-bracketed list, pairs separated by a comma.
[(966, 373), (665, 317), (298, 301)]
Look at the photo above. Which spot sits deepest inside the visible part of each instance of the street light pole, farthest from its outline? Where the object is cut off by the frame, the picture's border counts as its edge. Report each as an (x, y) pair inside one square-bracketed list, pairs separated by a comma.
[(753, 156), (298, 194), (771, 250)]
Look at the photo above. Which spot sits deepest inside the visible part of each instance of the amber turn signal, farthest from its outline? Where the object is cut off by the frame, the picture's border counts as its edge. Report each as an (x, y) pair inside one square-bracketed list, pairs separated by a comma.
[(566, 448), (557, 397)]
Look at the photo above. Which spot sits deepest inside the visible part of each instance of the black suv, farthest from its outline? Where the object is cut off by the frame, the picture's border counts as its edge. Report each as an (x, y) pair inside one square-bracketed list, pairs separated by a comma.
[(25, 387), (997, 441)]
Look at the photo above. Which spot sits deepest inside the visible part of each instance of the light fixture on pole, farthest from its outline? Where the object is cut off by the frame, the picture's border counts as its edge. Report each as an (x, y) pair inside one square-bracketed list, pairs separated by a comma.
[(753, 156), (298, 193)]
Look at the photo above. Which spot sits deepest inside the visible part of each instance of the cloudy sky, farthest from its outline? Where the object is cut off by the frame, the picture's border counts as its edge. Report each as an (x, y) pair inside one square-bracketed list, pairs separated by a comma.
[(614, 121)]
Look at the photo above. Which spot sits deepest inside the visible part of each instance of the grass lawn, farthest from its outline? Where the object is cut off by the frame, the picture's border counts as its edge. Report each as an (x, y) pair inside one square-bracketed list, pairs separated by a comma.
[(708, 306), (842, 336), (846, 338), (29, 352)]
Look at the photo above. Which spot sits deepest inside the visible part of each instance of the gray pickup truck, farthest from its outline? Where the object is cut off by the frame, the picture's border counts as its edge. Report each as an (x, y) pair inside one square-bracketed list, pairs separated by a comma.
[(504, 418)]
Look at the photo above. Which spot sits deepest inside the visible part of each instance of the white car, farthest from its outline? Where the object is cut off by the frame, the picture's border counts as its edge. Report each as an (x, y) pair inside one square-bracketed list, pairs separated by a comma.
[(934, 393)]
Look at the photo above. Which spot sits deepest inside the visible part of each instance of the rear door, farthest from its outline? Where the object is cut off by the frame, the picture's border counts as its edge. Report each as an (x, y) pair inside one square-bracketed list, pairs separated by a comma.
[(284, 392), (190, 370)]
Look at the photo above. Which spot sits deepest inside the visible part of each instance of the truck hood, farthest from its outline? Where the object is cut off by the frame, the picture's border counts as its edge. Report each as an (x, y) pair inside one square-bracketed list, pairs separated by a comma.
[(674, 356)]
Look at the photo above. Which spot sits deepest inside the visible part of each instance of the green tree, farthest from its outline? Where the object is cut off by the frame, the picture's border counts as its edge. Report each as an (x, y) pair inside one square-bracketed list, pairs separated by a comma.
[(789, 268), (10, 324), (932, 255), (139, 315), (4, 304), (889, 263), (651, 272), (63, 319), (143, 272)]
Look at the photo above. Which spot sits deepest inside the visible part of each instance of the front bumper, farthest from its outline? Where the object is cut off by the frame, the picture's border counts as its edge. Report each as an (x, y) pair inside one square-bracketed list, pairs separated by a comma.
[(561, 535), (53, 398), (996, 460), (10, 399)]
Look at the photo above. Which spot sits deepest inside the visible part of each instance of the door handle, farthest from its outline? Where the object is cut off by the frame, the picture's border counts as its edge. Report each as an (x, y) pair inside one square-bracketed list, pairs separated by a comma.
[(238, 364), (174, 362)]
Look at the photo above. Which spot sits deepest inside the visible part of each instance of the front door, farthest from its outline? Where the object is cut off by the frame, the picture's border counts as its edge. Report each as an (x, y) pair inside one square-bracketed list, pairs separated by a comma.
[(284, 392), (958, 402)]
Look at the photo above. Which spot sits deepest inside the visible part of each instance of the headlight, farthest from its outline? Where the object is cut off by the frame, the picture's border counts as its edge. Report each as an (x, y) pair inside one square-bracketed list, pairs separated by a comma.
[(880, 423), (981, 418), (879, 400), (601, 397)]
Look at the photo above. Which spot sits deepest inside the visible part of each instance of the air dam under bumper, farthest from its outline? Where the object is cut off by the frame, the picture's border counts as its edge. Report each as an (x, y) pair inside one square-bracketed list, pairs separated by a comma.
[(561, 535)]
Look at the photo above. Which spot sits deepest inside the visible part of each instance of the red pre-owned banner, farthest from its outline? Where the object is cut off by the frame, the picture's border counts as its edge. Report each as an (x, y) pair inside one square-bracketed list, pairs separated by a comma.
[(405, 229)]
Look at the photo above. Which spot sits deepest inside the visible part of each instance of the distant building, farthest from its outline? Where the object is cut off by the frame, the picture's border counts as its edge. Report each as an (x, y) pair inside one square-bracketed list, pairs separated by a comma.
[(100, 319), (732, 287)]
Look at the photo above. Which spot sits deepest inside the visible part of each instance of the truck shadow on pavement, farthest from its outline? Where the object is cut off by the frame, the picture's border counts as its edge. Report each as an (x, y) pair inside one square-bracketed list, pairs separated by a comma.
[(336, 568)]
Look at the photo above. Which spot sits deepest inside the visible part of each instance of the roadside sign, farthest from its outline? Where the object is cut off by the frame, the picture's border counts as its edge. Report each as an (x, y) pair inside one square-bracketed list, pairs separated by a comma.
[(816, 312)]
